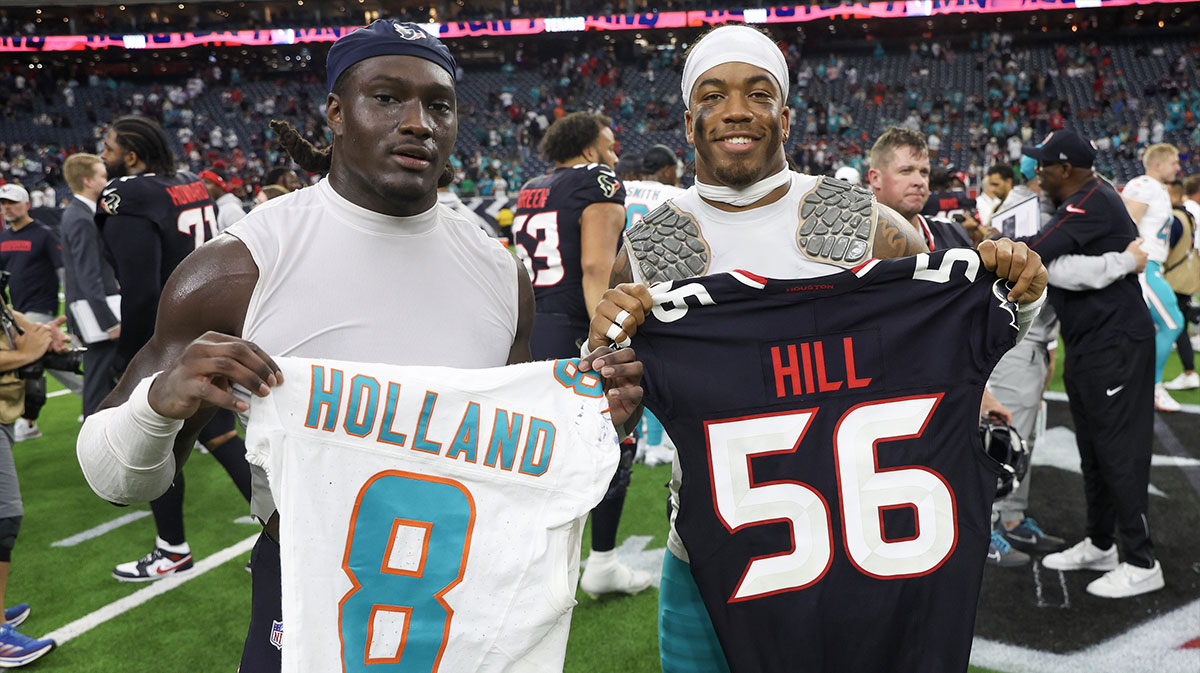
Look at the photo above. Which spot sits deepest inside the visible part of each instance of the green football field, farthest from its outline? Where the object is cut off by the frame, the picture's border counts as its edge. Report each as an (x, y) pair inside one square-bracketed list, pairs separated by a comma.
[(199, 624)]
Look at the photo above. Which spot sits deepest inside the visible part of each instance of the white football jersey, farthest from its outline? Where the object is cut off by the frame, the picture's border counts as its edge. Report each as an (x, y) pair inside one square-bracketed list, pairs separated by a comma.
[(1155, 225), (428, 515), (643, 196)]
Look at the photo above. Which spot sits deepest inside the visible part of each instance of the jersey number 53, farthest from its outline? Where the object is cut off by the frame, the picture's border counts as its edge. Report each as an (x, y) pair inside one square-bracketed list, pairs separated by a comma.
[(543, 228)]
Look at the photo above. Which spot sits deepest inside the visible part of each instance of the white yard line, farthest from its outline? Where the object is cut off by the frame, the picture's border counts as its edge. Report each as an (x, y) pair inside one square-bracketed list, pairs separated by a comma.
[(101, 529), (1055, 396), (157, 588), (58, 393)]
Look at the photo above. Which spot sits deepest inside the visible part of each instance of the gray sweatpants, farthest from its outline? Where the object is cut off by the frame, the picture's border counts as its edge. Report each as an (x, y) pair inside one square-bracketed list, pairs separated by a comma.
[(10, 490), (1017, 382)]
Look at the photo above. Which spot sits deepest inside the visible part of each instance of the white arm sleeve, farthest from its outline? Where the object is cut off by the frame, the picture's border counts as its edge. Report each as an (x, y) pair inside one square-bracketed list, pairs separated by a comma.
[(126, 451), (1090, 272)]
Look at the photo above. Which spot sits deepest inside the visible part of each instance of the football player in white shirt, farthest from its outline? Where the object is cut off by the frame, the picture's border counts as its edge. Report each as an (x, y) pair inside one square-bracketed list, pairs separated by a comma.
[(747, 207), (1149, 205), (363, 266)]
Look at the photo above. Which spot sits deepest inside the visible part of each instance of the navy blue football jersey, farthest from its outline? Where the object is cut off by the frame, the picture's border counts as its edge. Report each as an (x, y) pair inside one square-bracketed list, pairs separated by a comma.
[(546, 232), (835, 501), (149, 223)]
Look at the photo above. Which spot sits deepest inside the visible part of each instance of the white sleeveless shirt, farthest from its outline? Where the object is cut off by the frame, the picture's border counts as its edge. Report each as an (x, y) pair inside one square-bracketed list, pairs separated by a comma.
[(760, 240), (336, 280)]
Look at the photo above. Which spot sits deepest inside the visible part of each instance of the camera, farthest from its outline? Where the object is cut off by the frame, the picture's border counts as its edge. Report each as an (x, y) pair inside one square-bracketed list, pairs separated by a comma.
[(68, 361)]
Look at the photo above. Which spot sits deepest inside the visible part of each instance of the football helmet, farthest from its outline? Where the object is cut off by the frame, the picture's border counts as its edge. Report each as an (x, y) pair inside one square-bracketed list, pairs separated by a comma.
[(1004, 445)]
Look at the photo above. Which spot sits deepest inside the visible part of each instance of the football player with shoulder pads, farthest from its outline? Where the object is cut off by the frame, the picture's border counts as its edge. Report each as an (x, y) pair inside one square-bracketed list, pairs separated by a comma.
[(748, 211)]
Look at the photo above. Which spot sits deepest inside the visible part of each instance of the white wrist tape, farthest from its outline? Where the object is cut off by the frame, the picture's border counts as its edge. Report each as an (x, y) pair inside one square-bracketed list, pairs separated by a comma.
[(1027, 313), (126, 452)]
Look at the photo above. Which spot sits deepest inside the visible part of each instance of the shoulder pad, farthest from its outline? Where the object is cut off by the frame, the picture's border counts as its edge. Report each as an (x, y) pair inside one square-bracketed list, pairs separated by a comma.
[(837, 223), (667, 245), (121, 195), (606, 179)]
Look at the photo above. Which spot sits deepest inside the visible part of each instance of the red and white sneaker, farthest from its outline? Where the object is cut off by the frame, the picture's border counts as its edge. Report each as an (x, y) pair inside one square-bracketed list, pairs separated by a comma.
[(156, 565)]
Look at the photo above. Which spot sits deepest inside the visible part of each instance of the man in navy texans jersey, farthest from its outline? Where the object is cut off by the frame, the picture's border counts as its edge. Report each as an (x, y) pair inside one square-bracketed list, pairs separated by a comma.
[(150, 217), (833, 519), (566, 229)]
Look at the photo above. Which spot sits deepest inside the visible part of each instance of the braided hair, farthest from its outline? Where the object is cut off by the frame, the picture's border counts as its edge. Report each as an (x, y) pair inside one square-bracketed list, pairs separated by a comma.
[(304, 153), (145, 138)]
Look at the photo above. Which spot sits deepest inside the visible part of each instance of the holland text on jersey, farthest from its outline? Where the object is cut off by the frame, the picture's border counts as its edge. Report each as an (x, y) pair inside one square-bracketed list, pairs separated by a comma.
[(488, 436)]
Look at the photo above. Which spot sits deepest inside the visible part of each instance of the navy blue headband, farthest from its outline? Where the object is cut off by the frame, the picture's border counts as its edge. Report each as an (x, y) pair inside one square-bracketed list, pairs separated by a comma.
[(383, 38)]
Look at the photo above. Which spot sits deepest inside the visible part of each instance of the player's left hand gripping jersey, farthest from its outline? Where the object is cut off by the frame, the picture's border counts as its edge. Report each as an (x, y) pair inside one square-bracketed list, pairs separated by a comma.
[(430, 517), (835, 499), (546, 232)]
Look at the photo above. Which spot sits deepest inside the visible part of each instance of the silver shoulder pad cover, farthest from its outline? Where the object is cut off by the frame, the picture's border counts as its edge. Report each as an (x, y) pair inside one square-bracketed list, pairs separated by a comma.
[(837, 223), (667, 245)]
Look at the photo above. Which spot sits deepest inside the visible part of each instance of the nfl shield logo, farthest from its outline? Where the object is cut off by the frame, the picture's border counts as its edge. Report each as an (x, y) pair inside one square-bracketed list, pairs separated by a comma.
[(277, 634)]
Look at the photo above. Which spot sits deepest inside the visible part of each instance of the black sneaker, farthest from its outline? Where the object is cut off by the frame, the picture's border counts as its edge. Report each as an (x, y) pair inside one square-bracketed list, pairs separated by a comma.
[(156, 565), (1000, 553), (1029, 537)]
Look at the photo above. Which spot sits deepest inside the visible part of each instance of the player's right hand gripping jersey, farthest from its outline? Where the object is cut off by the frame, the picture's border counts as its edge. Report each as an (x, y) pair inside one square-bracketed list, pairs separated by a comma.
[(546, 232), (430, 517), (836, 499)]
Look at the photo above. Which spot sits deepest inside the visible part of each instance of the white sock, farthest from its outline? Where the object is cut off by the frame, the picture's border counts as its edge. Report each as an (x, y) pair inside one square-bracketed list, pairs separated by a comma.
[(601, 559), (181, 548)]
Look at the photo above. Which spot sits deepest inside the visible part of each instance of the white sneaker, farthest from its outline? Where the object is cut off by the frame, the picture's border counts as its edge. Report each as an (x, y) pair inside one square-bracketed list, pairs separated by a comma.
[(613, 577), (1083, 556), (23, 430), (1128, 580), (1184, 381), (1163, 400), (658, 454)]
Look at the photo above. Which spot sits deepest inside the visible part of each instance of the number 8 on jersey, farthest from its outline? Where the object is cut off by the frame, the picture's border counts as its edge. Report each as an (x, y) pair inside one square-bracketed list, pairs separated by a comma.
[(408, 542)]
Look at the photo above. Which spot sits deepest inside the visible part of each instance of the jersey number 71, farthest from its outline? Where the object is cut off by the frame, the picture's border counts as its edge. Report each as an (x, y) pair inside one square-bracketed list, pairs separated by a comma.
[(193, 220)]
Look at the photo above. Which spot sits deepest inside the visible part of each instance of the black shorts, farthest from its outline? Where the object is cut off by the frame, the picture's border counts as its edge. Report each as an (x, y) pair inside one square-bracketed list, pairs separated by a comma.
[(556, 335), (262, 652), (222, 422)]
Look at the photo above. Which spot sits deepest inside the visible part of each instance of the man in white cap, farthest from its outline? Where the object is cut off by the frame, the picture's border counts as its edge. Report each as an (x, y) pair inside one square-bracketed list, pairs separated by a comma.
[(848, 174), (748, 211)]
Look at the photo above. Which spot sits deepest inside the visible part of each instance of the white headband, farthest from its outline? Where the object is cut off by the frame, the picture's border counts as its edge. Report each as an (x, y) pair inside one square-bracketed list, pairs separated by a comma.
[(734, 44)]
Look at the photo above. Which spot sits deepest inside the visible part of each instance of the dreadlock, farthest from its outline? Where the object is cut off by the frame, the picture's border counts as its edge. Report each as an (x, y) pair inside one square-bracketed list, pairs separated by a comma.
[(302, 152), (145, 138), (447, 177)]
